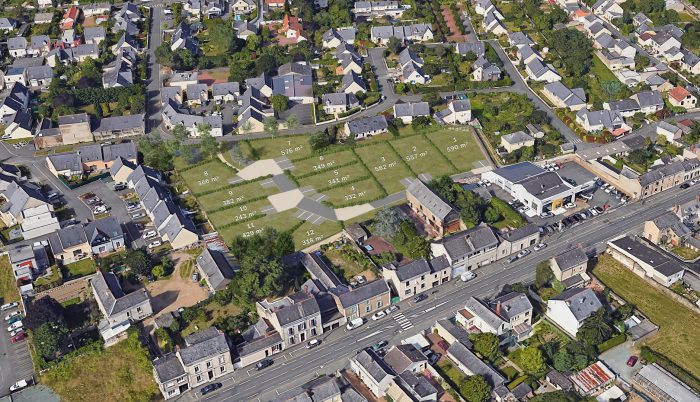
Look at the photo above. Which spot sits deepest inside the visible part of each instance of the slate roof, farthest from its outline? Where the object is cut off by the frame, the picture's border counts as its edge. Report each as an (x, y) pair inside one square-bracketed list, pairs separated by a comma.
[(367, 125), (559, 380), (519, 233), (648, 255), (168, 368), (73, 119), (39, 72), (350, 78), (287, 314), (217, 267), (107, 288), (474, 364), (544, 185), (477, 48), (582, 302), (432, 201), (400, 357), (338, 99), (204, 344), (649, 98), (412, 109), (116, 123), (571, 258), (107, 228), (517, 137), (482, 311), (373, 365), (16, 43), (512, 304), (93, 33), (420, 267), (320, 270), (417, 384), (320, 389), (624, 105), (362, 293), (519, 171), (669, 220), (465, 243), (225, 88)]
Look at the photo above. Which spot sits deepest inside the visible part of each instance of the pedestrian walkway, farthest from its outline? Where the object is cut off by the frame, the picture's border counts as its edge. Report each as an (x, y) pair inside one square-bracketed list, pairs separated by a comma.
[(403, 322)]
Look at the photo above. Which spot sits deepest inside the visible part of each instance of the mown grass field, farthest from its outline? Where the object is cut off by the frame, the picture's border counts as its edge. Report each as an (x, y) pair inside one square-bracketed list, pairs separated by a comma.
[(422, 156), (356, 193), (677, 338), (309, 233), (8, 288), (458, 145), (239, 213), (209, 176), (236, 195), (293, 147), (385, 164), (334, 177), (282, 221), (322, 162)]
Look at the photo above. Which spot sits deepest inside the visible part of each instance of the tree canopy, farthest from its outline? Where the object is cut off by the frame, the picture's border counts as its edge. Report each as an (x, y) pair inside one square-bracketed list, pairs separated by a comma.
[(574, 48), (486, 344), (387, 222), (475, 389)]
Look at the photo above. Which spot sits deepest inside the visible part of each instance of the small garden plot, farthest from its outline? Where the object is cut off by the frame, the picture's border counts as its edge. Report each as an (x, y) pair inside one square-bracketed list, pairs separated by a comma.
[(209, 176), (459, 146), (309, 234), (321, 163), (293, 147), (239, 213), (282, 221), (335, 177), (422, 156), (356, 193), (78, 269), (8, 286), (235, 195), (383, 162), (347, 261)]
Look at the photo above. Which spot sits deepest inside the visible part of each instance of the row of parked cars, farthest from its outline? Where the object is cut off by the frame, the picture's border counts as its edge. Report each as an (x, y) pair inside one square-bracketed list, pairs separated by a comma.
[(14, 322)]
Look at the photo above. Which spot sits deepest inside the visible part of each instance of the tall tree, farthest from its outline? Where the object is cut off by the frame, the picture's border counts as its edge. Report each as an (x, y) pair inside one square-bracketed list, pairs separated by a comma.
[(41, 311), (486, 344), (138, 261), (387, 222), (279, 103), (532, 361), (292, 122), (271, 126), (543, 274), (475, 389), (208, 146), (49, 338), (595, 329)]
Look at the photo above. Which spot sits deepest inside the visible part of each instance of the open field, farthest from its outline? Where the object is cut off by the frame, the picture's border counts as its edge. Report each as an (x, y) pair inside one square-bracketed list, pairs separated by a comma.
[(355, 193), (8, 289), (209, 176), (308, 233), (236, 195), (239, 213), (282, 221), (293, 147), (422, 156), (459, 146), (677, 337), (125, 374), (383, 162), (322, 162), (334, 177)]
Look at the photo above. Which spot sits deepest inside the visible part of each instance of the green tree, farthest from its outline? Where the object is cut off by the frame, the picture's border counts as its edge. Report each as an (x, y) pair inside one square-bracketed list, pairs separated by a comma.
[(394, 45), (387, 222), (208, 146), (164, 340), (612, 89), (532, 361), (292, 122), (486, 344), (595, 329), (138, 261), (279, 103), (574, 49), (158, 271), (156, 153), (180, 133), (474, 388), (492, 215), (543, 274), (563, 361), (49, 338), (271, 126), (320, 140)]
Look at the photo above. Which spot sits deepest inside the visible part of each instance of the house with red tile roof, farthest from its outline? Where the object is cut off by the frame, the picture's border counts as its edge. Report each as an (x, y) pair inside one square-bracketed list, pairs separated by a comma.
[(70, 18), (680, 97), (275, 3), (292, 31)]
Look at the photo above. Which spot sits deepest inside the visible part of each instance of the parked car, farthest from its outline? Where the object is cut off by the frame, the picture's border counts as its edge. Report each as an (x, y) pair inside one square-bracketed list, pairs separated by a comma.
[(378, 315), (149, 234), (443, 345), (20, 336), (138, 215), (14, 326), (600, 210), (523, 253), (467, 276), (19, 385), (119, 187), (539, 246), (357, 322), (14, 319), (312, 343), (391, 309), (264, 363), (511, 259), (587, 196), (360, 279), (8, 306), (593, 212), (16, 331), (434, 357), (419, 298), (210, 388), (100, 209), (546, 214), (632, 361), (12, 314), (154, 244), (379, 345), (52, 195), (569, 205)]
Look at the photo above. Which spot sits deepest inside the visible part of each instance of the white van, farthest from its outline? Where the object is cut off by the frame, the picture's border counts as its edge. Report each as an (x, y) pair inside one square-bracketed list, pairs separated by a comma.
[(467, 276), (357, 322)]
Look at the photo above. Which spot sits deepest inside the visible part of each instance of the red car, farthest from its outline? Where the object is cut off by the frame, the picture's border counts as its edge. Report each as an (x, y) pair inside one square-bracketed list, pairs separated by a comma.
[(20, 336), (443, 345), (632, 361)]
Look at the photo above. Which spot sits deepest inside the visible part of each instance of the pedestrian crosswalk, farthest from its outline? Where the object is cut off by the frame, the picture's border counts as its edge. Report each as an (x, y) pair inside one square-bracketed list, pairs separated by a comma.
[(403, 322)]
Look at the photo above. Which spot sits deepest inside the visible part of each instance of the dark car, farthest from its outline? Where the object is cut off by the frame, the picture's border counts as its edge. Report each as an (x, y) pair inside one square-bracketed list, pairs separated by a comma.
[(120, 187), (684, 186), (264, 363), (434, 357), (600, 210), (419, 298), (632, 361), (210, 388), (443, 345), (379, 345)]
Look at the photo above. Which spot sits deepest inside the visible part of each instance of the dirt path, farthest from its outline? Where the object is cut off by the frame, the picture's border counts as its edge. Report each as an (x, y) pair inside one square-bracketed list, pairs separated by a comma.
[(168, 295)]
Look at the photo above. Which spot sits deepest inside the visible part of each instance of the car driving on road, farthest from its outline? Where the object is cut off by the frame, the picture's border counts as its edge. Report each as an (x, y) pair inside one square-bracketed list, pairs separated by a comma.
[(210, 388)]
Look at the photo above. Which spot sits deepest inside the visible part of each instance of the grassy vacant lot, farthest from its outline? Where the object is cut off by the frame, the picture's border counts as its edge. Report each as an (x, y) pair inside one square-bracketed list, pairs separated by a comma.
[(8, 288), (385, 164), (212, 312), (422, 156), (308, 233), (458, 145), (322, 162), (209, 176), (238, 213), (80, 268), (686, 253), (282, 221), (334, 177), (677, 337), (293, 147), (125, 374), (366, 190), (350, 262), (236, 195)]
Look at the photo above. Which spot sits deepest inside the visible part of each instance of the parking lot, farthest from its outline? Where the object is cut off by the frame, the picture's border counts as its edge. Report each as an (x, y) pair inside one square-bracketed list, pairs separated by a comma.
[(15, 364)]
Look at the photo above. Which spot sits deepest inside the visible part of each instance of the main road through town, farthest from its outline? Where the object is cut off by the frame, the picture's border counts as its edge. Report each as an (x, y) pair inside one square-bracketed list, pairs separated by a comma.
[(298, 365)]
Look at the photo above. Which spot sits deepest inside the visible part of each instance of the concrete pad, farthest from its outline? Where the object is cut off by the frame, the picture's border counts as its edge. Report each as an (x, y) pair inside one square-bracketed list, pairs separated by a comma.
[(346, 213), (259, 169), (286, 201)]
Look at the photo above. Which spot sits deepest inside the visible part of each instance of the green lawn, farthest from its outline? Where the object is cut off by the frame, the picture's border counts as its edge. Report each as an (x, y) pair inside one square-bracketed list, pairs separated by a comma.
[(235, 195), (282, 221), (80, 268), (309, 234), (238, 213), (686, 253), (356, 193), (125, 374), (422, 156), (334, 177), (209, 176), (8, 287), (386, 165), (459, 146), (677, 337), (293, 147), (212, 312), (322, 162)]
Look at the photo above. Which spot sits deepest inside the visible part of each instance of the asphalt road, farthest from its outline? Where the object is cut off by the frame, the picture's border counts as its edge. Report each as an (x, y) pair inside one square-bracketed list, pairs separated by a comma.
[(155, 37), (298, 365)]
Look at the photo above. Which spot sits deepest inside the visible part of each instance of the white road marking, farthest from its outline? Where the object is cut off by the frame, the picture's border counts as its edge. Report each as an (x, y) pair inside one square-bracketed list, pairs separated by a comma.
[(369, 336)]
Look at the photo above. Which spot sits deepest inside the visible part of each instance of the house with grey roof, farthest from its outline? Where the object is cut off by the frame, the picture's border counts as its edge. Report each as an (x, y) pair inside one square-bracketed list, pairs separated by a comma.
[(117, 127), (404, 33), (538, 71), (43, 18), (514, 141), (25, 205), (28, 262), (175, 114), (406, 358), (516, 310), (120, 309), (94, 35), (469, 364), (39, 45), (417, 276), (599, 120), (561, 96), (324, 388), (438, 215), (39, 76), (223, 92), (105, 235), (8, 24), (366, 127), (334, 37), (645, 261), (667, 229), (319, 270), (297, 318), (372, 371), (570, 267), (363, 300), (482, 318), (217, 268), (339, 102), (569, 309), (70, 244), (244, 29), (464, 48), (649, 101), (469, 249), (484, 70), (206, 357), (17, 46), (409, 110), (353, 83), (93, 158), (458, 111)]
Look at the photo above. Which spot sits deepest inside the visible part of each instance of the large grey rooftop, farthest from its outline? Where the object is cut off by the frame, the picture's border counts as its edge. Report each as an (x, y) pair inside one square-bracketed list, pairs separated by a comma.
[(582, 302), (431, 201), (204, 344)]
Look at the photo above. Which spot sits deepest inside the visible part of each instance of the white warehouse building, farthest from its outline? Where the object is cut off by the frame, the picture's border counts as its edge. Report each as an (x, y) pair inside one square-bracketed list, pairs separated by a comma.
[(537, 188)]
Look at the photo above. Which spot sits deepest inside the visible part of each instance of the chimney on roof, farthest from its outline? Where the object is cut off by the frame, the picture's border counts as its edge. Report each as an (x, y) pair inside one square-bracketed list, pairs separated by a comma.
[(498, 308)]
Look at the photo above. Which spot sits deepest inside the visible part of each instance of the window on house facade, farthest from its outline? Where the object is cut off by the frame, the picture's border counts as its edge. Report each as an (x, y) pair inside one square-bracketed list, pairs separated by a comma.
[(222, 360), (291, 340), (313, 322), (379, 304), (139, 309), (368, 308), (290, 331), (208, 364), (196, 369), (222, 369), (199, 378), (313, 331), (301, 326)]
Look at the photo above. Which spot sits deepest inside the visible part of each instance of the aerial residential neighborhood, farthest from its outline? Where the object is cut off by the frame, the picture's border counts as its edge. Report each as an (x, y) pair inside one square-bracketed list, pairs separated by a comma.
[(350, 201)]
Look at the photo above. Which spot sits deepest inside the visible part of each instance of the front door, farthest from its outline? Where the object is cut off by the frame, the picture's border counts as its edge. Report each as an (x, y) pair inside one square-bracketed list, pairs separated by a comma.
[(302, 336)]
